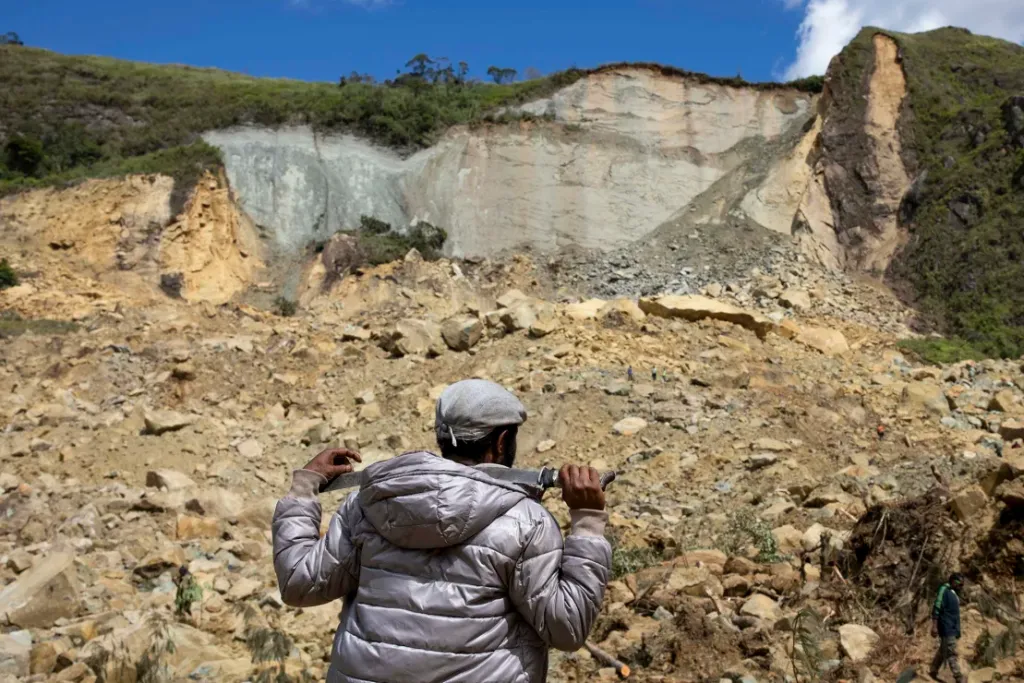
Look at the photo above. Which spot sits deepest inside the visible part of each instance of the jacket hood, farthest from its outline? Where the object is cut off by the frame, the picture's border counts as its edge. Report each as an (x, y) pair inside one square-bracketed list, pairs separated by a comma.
[(421, 501)]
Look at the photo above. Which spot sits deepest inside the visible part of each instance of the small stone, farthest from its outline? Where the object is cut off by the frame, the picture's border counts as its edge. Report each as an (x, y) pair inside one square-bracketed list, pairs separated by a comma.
[(169, 479), (190, 528), (162, 421), (185, 372), (365, 398), (340, 420), (545, 446), (773, 445), (619, 388), (761, 461), (19, 561), (317, 434), (250, 449), (353, 333), (629, 426)]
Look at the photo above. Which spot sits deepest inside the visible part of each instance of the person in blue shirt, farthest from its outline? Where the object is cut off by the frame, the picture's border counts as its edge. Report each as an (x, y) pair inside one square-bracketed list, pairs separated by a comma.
[(946, 627)]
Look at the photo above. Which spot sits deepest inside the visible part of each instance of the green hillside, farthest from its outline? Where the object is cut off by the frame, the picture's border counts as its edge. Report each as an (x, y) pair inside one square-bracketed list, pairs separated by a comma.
[(964, 143), (72, 117)]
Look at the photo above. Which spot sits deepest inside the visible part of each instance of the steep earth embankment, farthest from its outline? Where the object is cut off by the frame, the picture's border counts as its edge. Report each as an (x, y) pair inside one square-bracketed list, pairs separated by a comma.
[(628, 149), (103, 242)]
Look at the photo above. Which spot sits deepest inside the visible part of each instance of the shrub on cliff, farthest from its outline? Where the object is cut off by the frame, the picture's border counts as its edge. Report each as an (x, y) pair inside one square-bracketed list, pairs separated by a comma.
[(8, 278)]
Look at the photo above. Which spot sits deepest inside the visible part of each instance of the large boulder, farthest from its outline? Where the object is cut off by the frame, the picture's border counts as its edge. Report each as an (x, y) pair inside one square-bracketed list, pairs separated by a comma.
[(45, 593), (462, 333), (622, 311), (585, 310), (828, 341), (693, 308), (857, 641), (970, 502), (762, 607), (924, 397), (1003, 401), (519, 316), (413, 338), (797, 299), (511, 298)]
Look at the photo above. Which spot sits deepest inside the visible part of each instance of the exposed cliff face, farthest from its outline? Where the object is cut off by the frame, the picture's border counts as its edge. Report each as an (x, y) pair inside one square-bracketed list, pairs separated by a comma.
[(629, 149), (103, 242)]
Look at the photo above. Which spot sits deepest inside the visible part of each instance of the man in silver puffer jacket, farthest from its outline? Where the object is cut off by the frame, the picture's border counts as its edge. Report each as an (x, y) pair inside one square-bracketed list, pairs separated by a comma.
[(447, 573)]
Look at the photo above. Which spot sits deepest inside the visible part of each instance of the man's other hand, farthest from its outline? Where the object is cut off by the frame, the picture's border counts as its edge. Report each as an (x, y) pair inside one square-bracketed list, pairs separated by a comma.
[(333, 462), (581, 487)]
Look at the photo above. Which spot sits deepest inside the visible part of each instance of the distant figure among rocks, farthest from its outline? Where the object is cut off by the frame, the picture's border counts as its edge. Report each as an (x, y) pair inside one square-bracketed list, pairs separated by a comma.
[(946, 627), (629, 373)]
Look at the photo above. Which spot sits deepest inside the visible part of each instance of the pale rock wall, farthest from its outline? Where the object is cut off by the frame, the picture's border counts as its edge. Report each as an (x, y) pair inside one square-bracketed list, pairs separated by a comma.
[(642, 146), (886, 91)]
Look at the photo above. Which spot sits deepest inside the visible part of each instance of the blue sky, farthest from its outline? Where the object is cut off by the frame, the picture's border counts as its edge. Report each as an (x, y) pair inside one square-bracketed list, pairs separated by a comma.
[(322, 39)]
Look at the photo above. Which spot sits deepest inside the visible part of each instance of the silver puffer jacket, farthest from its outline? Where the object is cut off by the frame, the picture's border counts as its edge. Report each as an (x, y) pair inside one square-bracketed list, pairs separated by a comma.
[(447, 574)]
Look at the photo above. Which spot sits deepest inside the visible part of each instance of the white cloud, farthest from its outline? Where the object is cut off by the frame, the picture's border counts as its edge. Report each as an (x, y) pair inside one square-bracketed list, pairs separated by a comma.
[(828, 25)]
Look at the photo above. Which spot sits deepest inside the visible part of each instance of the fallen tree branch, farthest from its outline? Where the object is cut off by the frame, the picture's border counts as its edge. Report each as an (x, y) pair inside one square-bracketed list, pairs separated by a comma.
[(600, 655)]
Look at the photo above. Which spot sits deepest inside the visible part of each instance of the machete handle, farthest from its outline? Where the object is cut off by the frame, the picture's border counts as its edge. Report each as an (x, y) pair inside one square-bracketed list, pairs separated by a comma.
[(549, 478)]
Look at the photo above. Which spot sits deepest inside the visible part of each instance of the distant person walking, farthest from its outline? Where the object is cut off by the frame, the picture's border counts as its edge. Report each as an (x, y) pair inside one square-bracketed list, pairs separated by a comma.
[(946, 627), (654, 374), (629, 373)]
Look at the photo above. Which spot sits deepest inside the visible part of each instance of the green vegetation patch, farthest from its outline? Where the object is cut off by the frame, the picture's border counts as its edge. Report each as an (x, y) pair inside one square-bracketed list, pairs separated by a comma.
[(8, 278), (13, 325), (626, 561), (941, 351), (963, 132)]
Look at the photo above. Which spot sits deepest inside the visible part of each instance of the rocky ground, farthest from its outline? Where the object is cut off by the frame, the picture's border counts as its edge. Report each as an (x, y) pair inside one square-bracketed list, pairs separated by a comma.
[(763, 529)]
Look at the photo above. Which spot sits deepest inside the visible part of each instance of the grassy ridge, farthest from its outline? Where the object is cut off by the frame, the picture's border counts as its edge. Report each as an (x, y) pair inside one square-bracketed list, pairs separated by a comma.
[(99, 117), (965, 259)]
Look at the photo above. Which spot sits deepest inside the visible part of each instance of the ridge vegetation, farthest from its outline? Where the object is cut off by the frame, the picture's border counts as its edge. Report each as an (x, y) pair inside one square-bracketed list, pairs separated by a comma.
[(64, 118)]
